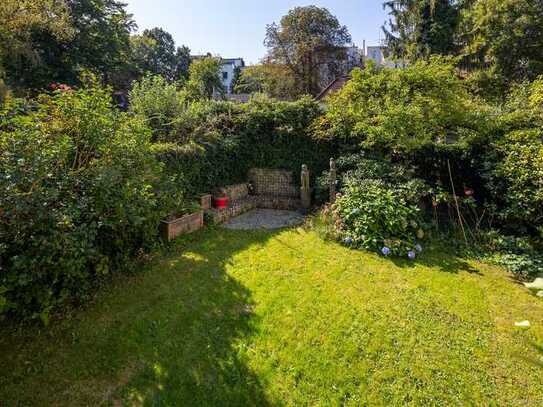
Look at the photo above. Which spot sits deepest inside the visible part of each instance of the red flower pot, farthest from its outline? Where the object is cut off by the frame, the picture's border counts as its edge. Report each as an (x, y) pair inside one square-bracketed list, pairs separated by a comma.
[(221, 203)]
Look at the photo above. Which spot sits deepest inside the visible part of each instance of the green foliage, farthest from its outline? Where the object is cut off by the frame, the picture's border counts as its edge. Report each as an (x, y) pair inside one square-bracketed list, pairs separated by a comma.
[(216, 143), (379, 206), (519, 255), (4, 92), (205, 79), (418, 29), (19, 19), (236, 79), (100, 43), (158, 102), (306, 39), (516, 178), (154, 52), (505, 35), (513, 166), (403, 110), (274, 80), (82, 197)]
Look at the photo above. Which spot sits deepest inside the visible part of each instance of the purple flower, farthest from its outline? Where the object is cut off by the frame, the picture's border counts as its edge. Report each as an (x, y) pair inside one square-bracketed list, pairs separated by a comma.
[(348, 240), (385, 250), (412, 255), (418, 248)]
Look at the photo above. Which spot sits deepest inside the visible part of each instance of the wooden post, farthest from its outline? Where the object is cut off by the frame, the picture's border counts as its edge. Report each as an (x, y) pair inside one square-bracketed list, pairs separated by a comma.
[(305, 189), (333, 180)]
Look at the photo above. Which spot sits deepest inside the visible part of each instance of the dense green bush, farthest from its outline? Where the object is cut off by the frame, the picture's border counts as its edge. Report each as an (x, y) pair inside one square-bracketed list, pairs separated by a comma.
[(80, 197), (519, 255), (425, 119), (514, 165), (403, 110), (379, 207), (422, 117), (520, 171), (158, 101), (215, 143)]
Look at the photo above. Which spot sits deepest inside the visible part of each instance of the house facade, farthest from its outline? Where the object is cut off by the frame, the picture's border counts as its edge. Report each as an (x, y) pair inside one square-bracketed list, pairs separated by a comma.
[(228, 69), (379, 55), (358, 57)]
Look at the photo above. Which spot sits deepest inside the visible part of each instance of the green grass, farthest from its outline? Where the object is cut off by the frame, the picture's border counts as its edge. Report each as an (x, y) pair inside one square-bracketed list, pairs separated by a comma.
[(285, 318)]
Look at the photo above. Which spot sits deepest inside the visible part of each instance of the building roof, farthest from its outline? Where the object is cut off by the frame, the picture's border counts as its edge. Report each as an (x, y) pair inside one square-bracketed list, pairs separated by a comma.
[(334, 86), (224, 61)]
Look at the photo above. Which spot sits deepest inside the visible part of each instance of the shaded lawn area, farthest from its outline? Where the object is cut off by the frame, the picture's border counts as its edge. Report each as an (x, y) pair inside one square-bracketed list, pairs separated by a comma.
[(285, 318)]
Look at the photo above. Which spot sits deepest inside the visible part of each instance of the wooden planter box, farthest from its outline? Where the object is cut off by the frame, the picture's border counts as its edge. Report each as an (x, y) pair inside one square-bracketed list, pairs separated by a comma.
[(205, 202), (186, 224)]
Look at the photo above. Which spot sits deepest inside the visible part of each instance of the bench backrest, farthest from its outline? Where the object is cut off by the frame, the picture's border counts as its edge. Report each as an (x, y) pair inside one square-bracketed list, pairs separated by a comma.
[(273, 183)]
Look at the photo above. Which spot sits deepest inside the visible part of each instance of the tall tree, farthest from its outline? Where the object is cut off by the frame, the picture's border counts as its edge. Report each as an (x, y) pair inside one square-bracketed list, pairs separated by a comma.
[(154, 52), (419, 28), (274, 80), (182, 62), (204, 79), (100, 43), (306, 39), (505, 34), (19, 19)]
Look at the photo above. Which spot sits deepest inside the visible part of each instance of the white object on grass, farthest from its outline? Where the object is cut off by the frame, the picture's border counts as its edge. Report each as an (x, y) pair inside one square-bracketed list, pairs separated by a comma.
[(523, 324), (538, 284)]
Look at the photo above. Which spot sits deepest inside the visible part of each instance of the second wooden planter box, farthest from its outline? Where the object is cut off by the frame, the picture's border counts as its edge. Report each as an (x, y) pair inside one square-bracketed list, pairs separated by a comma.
[(183, 225)]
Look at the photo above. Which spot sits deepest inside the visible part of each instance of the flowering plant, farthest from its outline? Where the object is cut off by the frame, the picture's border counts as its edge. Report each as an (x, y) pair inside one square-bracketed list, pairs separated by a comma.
[(378, 216)]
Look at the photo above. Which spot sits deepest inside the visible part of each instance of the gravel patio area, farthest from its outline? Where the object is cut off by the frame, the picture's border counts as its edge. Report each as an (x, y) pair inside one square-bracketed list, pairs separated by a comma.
[(265, 219)]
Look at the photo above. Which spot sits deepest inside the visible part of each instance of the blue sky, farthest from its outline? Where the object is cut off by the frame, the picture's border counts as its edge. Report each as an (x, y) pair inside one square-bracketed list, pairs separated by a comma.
[(236, 28)]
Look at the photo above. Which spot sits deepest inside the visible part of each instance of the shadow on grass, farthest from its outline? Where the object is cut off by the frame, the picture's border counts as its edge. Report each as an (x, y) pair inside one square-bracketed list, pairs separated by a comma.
[(536, 361), (173, 335), (441, 259)]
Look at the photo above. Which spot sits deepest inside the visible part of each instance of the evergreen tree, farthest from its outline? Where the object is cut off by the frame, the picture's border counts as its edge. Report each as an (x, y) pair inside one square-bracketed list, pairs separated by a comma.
[(419, 28)]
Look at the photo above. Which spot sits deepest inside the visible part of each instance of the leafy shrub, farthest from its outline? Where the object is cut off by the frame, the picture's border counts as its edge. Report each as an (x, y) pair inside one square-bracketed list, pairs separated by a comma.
[(373, 215), (82, 196), (158, 102), (514, 166), (380, 207), (521, 170), (421, 117), (403, 110), (519, 255), (216, 143)]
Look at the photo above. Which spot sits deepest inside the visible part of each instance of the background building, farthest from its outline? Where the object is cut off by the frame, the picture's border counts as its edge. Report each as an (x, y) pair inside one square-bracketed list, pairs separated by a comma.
[(228, 71)]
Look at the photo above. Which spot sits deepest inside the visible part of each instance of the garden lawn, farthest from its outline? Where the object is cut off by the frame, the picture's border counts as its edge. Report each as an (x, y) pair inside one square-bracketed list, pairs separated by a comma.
[(285, 318)]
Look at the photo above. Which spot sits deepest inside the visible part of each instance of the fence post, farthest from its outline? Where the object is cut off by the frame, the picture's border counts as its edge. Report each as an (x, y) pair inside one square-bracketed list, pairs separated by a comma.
[(305, 189), (333, 180)]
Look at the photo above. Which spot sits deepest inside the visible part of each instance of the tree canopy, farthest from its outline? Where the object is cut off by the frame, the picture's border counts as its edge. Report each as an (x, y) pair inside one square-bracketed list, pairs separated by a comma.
[(100, 41), (306, 39), (204, 79), (421, 28), (275, 80), (155, 52), (505, 34), (19, 19)]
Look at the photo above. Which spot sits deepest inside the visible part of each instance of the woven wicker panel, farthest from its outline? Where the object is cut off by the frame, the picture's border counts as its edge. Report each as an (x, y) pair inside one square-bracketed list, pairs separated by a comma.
[(273, 183)]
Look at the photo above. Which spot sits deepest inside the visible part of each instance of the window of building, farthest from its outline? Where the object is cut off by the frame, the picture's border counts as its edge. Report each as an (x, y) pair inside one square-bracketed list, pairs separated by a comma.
[(225, 75)]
